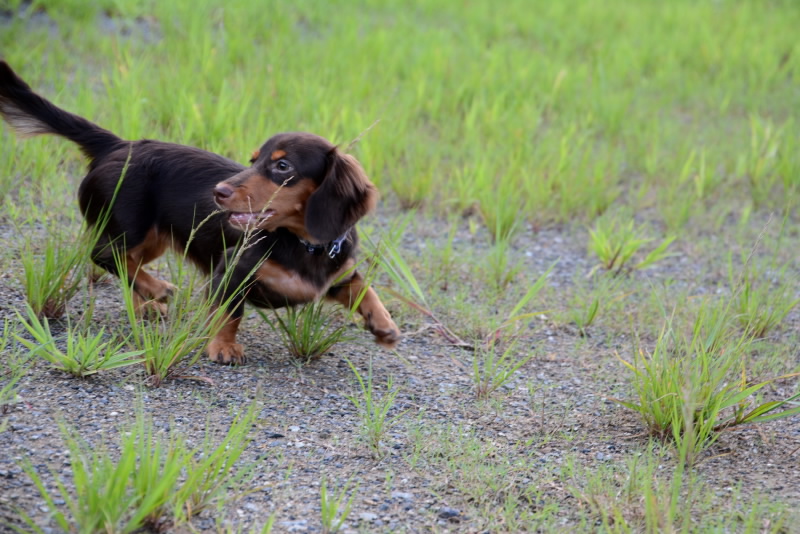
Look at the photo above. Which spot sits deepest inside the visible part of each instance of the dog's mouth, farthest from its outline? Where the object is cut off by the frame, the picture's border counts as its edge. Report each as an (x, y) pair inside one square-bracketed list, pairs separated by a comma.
[(249, 219)]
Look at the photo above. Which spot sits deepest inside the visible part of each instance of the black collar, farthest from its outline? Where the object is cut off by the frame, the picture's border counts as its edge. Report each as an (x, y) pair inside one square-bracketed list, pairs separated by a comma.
[(333, 248)]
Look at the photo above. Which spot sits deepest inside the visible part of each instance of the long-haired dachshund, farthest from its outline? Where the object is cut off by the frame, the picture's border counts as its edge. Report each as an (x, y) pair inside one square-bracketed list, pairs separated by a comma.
[(301, 195)]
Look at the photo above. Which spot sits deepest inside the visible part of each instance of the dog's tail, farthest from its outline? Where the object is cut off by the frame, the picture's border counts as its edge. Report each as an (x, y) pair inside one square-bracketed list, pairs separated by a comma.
[(30, 114)]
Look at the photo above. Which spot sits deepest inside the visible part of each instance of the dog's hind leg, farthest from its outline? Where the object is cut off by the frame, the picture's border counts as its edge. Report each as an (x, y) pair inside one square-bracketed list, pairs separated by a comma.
[(150, 294)]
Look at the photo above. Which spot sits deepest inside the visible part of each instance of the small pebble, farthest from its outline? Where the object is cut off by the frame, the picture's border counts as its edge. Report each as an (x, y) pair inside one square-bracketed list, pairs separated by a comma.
[(448, 513)]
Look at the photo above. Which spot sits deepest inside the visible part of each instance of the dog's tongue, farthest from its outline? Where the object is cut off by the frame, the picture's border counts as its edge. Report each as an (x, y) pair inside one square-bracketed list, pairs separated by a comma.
[(249, 219)]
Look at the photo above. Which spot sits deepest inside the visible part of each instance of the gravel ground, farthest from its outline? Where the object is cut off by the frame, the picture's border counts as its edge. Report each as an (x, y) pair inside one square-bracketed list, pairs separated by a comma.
[(554, 412)]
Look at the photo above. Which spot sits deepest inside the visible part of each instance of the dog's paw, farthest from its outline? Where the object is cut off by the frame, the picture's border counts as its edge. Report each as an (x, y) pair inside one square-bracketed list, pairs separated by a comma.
[(164, 291), (383, 328), (149, 308), (226, 353)]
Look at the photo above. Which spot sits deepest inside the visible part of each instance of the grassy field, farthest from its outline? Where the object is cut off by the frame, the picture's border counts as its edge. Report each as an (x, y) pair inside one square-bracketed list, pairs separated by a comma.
[(598, 198)]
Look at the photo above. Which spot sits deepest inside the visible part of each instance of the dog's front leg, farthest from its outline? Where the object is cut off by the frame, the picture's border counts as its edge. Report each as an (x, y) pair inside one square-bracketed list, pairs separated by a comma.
[(223, 347), (376, 318)]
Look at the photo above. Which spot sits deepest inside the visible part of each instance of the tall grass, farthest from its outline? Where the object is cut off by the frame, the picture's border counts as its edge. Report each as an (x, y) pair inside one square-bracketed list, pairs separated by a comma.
[(373, 410), (555, 126)]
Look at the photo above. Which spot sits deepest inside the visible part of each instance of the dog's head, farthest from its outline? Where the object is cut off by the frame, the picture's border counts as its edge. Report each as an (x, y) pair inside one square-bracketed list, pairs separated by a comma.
[(300, 182)]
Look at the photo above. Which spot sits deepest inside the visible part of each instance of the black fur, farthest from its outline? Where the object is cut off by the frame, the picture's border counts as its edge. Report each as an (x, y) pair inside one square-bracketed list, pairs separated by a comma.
[(157, 194), (340, 201), (20, 106), (284, 248), (165, 186)]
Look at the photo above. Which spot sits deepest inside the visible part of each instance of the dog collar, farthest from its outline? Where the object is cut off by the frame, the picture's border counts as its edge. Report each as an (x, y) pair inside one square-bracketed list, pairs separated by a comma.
[(333, 248)]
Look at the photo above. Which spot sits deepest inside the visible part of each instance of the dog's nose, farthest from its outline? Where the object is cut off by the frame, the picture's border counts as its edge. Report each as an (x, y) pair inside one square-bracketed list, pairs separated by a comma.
[(222, 192)]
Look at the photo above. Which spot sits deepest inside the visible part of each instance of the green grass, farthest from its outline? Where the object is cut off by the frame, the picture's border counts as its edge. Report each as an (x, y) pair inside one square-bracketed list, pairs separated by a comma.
[(154, 483), (594, 299), (53, 276), (14, 367), (306, 331), (599, 108), (170, 345), (763, 298), (334, 507), (84, 353), (493, 367), (638, 497), (667, 128), (497, 480), (615, 243), (373, 410), (694, 386)]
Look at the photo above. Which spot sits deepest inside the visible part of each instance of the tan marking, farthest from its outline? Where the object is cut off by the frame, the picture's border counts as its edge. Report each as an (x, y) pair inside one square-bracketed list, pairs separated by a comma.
[(255, 193), (145, 284), (291, 285), (254, 156), (153, 246), (223, 348), (278, 154), (376, 318), (287, 283)]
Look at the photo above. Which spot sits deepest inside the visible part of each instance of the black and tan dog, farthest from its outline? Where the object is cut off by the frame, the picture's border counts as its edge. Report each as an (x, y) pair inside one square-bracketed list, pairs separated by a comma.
[(302, 196)]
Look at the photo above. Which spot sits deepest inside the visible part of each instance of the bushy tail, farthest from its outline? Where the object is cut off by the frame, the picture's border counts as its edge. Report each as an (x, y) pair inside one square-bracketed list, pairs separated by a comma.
[(30, 114)]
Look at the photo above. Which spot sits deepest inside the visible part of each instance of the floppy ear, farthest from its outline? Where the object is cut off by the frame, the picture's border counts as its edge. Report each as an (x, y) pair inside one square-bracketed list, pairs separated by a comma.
[(345, 195)]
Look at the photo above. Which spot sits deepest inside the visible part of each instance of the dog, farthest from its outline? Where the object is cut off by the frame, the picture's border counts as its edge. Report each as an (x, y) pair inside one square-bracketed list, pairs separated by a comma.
[(299, 200)]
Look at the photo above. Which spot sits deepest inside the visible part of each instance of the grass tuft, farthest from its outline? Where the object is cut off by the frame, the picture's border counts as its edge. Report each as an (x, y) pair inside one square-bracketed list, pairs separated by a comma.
[(84, 354), (307, 330), (335, 507), (762, 300), (374, 411), (492, 368), (692, 387), (153, 483), (54, 275), (615, 243)]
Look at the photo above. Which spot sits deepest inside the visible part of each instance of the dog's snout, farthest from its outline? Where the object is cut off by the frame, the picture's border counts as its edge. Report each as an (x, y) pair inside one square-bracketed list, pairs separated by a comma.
[(222, 192)]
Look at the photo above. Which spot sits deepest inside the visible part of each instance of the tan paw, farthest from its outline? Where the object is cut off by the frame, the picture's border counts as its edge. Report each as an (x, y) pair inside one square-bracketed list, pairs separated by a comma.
[(226, 353), (383, 328), (164, 291), (149, 308)]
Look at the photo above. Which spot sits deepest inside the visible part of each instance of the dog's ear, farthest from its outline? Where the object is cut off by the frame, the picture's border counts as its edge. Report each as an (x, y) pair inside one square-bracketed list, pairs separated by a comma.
[(345, 195)]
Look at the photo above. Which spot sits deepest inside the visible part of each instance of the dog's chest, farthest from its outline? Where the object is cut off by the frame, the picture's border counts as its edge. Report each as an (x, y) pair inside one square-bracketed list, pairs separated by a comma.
[(275, 281)]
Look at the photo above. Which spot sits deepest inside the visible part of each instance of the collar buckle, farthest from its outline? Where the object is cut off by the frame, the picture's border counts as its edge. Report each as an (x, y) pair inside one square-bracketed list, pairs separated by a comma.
[(336, 245), (333, 249)]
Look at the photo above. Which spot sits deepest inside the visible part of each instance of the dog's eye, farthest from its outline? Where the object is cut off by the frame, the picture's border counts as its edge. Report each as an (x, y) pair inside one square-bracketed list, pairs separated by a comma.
[(282, 165)]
